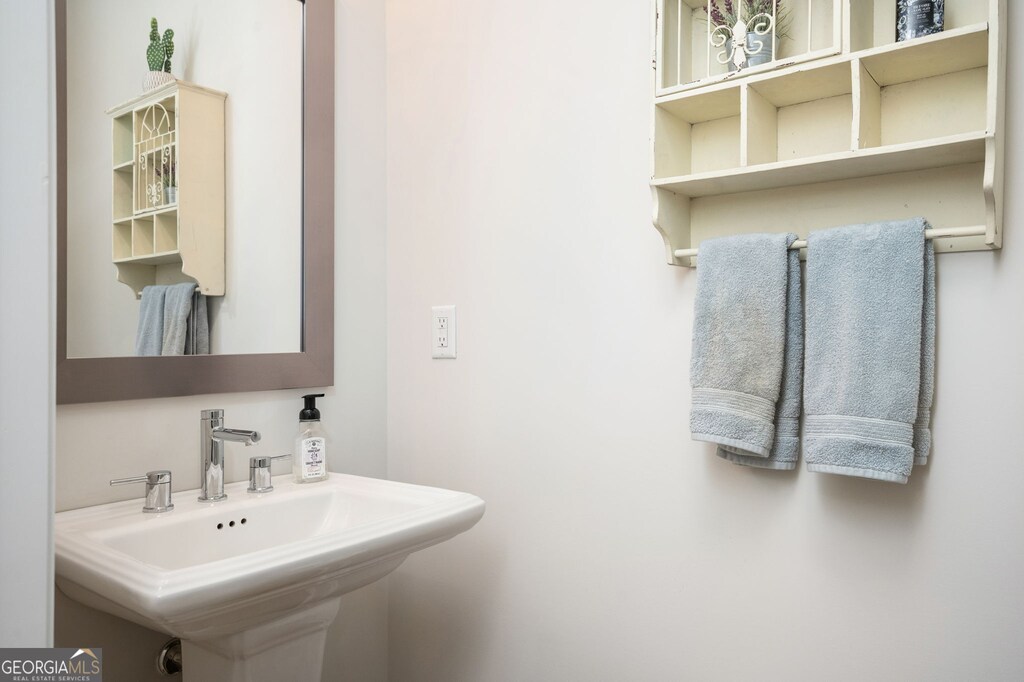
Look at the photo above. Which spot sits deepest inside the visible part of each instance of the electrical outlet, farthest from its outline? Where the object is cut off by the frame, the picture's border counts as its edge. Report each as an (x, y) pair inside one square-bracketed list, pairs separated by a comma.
[(442, 330)]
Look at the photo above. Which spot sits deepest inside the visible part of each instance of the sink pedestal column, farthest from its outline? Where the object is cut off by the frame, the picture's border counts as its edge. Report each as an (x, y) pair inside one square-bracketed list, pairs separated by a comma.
[(290, 648)]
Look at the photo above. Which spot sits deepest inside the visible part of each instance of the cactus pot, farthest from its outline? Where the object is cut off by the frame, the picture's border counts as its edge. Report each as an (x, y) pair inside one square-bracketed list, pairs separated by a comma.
[(155, 79)]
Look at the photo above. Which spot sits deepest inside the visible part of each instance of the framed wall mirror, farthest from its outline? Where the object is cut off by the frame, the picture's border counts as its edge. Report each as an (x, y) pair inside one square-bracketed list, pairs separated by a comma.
[(215, 173)]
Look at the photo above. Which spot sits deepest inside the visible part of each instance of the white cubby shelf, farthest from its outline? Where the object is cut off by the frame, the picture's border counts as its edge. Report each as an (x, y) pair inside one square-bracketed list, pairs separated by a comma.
[(875, 130), (157, 237)]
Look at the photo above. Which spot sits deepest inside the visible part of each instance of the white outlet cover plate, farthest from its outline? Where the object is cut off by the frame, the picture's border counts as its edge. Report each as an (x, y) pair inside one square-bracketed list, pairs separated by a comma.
[(443, 332)]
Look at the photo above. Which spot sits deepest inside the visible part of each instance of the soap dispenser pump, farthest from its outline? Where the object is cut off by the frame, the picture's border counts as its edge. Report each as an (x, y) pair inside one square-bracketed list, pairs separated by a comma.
[(310, 463)]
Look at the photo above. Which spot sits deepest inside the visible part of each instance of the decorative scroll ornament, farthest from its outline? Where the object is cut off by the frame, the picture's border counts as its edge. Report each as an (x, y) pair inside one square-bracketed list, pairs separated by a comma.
[(741, 40), (155, 193)]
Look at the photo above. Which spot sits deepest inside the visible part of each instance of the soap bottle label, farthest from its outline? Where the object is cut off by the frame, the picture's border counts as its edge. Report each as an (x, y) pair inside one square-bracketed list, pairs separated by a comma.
[(313, 458), (916, 18)]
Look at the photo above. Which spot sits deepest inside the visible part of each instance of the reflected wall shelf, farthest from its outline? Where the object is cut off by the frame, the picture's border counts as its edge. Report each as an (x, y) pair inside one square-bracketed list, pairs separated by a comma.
[(875, 130), (171, 136)]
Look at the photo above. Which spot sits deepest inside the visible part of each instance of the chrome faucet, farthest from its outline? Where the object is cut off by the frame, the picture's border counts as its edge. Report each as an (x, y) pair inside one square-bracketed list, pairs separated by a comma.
[(212, 435)]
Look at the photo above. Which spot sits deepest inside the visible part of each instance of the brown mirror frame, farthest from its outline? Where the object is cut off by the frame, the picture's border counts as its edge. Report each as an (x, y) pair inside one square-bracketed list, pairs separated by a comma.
[(84, 380)]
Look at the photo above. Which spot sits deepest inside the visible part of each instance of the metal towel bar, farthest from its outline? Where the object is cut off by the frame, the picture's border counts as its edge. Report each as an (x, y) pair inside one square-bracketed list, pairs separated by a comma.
[(935, 233)]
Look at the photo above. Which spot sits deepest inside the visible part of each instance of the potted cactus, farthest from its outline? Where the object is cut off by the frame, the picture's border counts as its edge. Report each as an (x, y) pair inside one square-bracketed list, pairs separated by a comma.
[(158, 55)]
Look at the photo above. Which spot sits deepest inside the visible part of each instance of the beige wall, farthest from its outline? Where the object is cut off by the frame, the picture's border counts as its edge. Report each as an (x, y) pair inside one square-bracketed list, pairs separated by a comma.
[(101, 441), (614, 547)]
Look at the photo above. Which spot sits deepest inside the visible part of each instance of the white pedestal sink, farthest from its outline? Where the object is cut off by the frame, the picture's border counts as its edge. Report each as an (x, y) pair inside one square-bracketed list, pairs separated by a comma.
[(250, 584)]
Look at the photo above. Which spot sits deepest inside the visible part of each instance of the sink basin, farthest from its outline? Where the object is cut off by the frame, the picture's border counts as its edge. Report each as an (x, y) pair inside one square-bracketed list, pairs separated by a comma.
[(251, 583)]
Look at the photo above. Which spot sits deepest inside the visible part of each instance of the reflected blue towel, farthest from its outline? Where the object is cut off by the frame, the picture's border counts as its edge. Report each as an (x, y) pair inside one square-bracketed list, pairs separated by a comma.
[(870, 349), (149, 338), (739, 348), (185, 328), (169, 323)]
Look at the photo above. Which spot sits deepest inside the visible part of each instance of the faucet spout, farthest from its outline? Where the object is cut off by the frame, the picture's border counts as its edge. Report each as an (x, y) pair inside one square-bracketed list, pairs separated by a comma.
[(236, 435), (212, 436)]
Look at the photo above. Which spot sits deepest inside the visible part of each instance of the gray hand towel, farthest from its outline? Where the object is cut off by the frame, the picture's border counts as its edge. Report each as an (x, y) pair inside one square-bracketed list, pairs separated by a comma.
[(870, 349), (185, 329), (922, 427), (739, 341), (786, 449), (185, 324), (177, 307), (150, 335)]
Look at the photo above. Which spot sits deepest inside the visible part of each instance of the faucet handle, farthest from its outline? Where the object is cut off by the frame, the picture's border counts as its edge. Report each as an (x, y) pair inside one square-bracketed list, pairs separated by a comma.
[(158, 490), (259, 473), (211, 414)]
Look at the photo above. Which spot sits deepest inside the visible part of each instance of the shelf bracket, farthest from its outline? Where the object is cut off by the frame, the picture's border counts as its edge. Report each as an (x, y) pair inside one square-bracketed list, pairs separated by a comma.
[(672, 220)]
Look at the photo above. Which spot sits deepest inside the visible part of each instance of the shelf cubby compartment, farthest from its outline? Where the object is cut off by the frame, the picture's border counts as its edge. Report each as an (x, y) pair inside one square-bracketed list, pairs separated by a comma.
[(904, 90), (872, 23), (142, 236), (701, 131), (799, 115), (165, 231), (686, 60), (121, 137), (122, 240), (121, 206)]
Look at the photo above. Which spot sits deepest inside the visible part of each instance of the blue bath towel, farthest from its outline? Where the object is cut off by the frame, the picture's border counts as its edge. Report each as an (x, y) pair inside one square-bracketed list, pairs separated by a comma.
[(739, 347), (870, 349), (785, 452)]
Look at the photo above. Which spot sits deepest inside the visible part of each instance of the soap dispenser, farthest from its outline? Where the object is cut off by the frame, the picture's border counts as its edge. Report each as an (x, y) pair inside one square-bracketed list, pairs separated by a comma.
[(310, 463)]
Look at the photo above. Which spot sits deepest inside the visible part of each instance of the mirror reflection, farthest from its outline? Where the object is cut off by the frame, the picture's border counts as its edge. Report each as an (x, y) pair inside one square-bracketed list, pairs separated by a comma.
[(184, 177)]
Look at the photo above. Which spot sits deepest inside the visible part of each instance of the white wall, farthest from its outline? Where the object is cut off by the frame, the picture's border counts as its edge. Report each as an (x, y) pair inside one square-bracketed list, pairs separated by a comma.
[(253, 52), (614, 547), (101, 441), (27, 342)]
